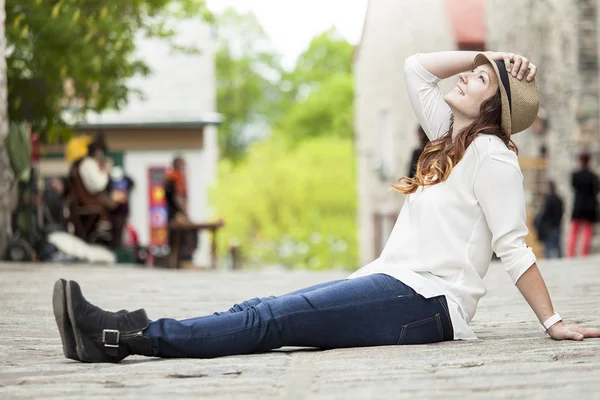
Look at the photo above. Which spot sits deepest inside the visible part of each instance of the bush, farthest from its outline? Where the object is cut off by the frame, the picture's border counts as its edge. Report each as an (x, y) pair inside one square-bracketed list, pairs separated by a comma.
[(291, 206)]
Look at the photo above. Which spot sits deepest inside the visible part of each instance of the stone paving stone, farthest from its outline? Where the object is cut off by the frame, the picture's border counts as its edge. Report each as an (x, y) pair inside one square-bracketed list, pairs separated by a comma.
[(511, 359)]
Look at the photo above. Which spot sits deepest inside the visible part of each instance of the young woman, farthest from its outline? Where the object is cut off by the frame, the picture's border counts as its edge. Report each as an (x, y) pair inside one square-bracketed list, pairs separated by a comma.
[(465, 202)]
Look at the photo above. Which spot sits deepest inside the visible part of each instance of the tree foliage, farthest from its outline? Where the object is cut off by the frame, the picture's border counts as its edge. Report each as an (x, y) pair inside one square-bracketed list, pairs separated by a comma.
[(255, 93), (320, 101), (247, 75), (296, 207), (327, 112), (289, 198), (327, 55), (80, 53)]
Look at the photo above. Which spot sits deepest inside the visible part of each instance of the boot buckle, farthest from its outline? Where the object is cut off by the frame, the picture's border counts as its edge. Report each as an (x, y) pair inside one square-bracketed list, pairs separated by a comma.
[(110, 337)]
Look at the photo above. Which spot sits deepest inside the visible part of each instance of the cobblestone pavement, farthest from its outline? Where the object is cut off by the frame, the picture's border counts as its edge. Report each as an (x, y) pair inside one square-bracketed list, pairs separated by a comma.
[(511, 359)]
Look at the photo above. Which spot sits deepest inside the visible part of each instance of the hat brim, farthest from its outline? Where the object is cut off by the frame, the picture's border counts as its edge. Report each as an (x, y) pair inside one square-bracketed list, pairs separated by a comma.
[(482, 59)]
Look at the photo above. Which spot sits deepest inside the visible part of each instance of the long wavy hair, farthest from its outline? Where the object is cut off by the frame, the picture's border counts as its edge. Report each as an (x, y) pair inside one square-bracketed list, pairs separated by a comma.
[(441, 155)]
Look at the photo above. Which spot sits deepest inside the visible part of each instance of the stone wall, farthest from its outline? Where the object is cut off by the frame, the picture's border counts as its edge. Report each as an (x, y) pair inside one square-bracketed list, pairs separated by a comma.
[(588, 107), (587, 73), (545, 32)]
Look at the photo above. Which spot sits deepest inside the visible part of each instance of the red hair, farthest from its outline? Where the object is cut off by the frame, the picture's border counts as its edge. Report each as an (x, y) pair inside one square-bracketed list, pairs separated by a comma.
[(441, 155)]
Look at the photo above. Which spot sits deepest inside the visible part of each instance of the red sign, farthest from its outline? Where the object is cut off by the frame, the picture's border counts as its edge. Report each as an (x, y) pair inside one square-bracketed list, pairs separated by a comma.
[(158, 218)]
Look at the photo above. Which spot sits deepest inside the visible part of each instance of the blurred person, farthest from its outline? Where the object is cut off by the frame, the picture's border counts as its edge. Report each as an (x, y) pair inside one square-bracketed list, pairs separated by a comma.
[(94, 168), (54, 205), (548, 222), (466, 201), (585, 208), (176, 196), (88, 181), (119, 188), (176, 189), (423, 140)]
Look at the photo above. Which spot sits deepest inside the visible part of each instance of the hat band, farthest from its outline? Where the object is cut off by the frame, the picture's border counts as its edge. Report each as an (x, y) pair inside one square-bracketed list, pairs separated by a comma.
[(504, 80)]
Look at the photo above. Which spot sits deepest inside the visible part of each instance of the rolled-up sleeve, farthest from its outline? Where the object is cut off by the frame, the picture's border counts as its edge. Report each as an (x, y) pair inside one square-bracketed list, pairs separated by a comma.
[(426, 98), (499, 190)]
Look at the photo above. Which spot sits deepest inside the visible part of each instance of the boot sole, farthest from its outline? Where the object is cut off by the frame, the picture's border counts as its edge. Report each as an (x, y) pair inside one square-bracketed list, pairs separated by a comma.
[(87, 350), (59, 306)]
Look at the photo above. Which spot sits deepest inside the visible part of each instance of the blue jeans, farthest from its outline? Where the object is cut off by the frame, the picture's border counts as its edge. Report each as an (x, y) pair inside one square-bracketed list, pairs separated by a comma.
[(374, 310), (552, 244)]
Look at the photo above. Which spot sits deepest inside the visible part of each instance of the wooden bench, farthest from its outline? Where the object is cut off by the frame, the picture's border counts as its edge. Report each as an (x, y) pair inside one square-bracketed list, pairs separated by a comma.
[(84, 219), (176, 228)]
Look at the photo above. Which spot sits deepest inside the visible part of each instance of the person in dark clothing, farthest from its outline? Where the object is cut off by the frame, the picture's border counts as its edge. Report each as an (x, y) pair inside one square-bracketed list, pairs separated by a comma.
[(548, 222), (586, 187), (88, 181), (119, 188), (423, 140), (54, 205), (176, 189), (176, 198)]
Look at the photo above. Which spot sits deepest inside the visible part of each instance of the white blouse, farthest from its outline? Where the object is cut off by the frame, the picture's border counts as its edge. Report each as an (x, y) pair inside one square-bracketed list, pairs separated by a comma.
[(94, 179), (445, 235)]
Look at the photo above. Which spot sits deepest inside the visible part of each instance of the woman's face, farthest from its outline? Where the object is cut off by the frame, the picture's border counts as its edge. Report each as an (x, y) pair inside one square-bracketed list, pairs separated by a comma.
[(472, 89)]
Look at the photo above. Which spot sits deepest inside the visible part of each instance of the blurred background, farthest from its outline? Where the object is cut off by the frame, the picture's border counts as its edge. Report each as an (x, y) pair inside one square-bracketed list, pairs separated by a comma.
[(255, 133)]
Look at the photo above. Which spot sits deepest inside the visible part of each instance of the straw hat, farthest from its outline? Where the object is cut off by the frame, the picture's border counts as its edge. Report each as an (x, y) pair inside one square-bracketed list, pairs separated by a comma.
[(520, 99)]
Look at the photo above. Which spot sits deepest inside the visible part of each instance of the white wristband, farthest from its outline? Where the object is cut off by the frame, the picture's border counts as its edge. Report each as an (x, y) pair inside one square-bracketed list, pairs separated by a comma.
[(549, 322)]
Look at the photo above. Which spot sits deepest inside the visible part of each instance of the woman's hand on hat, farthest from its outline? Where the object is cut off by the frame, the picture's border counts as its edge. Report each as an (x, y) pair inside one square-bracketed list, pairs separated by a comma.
[(562, 331), (521, 67)]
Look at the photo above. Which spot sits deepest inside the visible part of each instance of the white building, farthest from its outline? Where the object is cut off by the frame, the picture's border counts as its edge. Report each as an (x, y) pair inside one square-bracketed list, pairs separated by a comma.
[(176, 116)]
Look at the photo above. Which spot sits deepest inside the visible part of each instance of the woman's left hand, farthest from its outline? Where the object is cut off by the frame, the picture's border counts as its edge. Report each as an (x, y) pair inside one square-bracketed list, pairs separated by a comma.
[(562, 331), (521, 66)]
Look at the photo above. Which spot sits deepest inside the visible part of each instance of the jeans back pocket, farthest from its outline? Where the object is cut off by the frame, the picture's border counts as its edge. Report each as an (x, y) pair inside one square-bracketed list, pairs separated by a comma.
[(428, 330)]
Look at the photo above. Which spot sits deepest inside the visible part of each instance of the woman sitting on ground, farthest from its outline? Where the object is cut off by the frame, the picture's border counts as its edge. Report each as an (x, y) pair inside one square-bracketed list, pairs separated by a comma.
[(465, 202)]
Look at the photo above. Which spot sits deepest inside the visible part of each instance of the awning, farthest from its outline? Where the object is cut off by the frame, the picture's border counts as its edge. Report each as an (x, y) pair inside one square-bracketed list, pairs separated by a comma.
[(467, 20)]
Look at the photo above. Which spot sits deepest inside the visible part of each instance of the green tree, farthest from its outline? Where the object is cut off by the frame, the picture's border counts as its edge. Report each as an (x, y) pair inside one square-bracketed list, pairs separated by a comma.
[(84, 46), (247, 76), (327, 111), (292, 199), (296, 207), (320, 98), (6, 175), (328, 54), (254, 93)]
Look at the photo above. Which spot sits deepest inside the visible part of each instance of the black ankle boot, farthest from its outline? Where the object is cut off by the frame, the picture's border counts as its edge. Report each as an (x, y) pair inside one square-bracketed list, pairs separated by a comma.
[(102, 336), (61, 315)]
